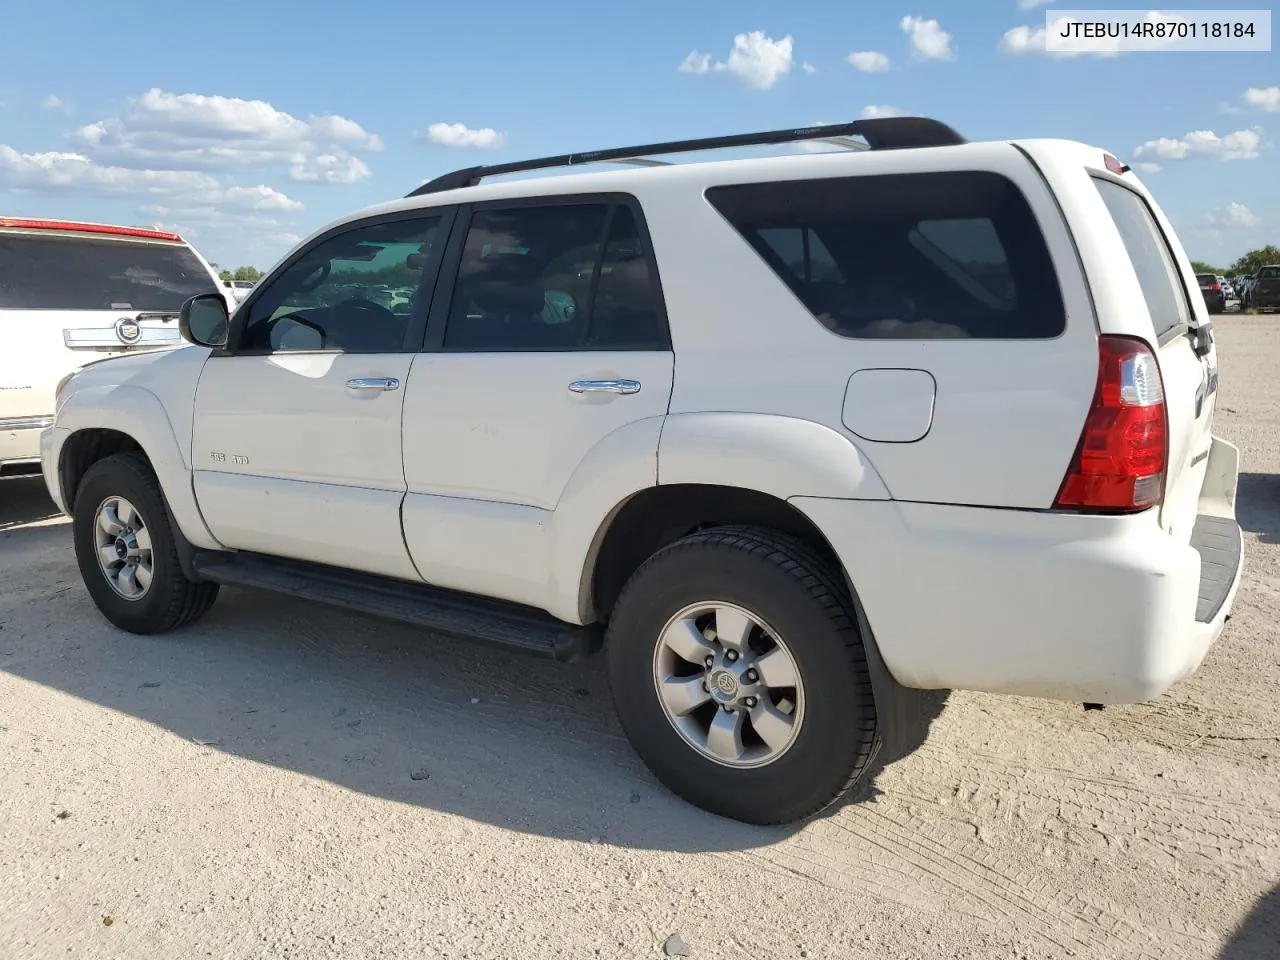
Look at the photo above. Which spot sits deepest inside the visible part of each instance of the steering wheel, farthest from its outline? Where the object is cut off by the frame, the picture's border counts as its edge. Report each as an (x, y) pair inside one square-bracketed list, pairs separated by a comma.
[(363, 305)]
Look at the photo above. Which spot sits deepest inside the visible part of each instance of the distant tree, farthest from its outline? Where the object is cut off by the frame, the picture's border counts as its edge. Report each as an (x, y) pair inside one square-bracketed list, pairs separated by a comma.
[(248, 273), (1199, 266), (1252, 261), (225, 275)]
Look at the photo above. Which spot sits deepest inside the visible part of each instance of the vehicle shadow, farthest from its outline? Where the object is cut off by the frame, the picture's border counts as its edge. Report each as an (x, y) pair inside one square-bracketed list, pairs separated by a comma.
[(24, 500), (376, 708), (1258, 936), (1258, 505)]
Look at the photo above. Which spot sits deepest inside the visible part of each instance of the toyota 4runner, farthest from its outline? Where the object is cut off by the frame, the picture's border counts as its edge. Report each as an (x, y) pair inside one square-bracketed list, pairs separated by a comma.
[(786, 436)]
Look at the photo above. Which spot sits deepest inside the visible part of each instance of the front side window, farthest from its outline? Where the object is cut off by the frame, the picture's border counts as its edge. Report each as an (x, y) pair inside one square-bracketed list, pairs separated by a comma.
[(59, 272), (564, 276), (355, 292), (905, 256)]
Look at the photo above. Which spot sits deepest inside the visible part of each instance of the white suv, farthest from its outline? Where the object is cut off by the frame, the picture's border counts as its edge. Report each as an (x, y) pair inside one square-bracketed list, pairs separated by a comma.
[(72, 293), (790, 436)]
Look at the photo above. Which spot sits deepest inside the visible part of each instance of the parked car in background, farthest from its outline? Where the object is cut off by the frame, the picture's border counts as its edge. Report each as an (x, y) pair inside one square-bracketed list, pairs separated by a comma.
[(1215, 298), (72, 293), (1265, 296), (239, 288)]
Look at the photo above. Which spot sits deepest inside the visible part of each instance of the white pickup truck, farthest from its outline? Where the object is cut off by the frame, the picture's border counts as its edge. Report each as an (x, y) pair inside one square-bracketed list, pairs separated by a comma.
[(788, 436)]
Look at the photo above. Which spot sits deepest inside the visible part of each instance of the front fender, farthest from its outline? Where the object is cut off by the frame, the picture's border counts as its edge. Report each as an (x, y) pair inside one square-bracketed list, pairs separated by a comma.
[(138, 413), (780, 456)]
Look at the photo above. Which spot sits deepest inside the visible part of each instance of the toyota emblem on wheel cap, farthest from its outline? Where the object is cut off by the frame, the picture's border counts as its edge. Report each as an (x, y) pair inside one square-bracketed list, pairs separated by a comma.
[(127, 330)]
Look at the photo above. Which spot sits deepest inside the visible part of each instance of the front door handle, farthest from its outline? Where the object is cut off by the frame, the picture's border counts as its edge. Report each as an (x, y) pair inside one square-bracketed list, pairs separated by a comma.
[(373, 383), (623, 387)]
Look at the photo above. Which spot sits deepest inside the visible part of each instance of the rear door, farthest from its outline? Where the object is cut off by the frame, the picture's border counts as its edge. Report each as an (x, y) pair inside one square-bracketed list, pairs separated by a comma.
[(68, 297), (1187, 355), (548, 335)]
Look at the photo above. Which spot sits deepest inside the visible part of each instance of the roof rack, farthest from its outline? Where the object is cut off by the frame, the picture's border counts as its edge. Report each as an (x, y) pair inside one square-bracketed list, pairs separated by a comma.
[(881, 133)]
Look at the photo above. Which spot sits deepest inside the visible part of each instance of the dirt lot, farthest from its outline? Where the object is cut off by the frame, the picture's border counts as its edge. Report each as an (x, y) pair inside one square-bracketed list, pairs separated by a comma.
[(247, 789)]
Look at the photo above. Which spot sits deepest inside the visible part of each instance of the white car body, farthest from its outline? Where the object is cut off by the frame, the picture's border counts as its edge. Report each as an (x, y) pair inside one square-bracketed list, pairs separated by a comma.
[(930, 466), (43, 339)]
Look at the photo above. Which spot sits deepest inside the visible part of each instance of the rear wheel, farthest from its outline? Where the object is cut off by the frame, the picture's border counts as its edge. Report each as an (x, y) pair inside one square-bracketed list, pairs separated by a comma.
[(740, 677), (126, 551)]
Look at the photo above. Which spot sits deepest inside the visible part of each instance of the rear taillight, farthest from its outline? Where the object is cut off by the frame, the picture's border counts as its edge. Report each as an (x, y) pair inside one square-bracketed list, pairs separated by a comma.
[(1216, 288), (1119, 464)]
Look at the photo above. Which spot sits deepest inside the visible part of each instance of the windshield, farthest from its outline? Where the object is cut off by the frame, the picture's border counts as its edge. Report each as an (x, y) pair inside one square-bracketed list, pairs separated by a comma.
[(59, 272)]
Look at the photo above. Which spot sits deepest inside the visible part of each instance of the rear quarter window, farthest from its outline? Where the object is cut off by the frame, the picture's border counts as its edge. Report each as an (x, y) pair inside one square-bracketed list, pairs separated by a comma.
[(905, 256), (1152, 260)]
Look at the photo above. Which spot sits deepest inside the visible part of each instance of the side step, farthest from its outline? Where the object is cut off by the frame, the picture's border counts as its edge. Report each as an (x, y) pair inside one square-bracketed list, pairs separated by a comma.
[(443, 611)]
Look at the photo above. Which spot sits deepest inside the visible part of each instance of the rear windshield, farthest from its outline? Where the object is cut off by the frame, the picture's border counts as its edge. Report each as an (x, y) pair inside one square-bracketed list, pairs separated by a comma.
[(80, 273), (1206, 278), (918, 256), (1152, 260), (1269, 273)]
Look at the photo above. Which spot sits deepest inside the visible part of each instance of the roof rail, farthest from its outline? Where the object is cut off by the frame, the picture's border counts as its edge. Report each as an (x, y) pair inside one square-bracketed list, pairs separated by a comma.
[(880, 133)]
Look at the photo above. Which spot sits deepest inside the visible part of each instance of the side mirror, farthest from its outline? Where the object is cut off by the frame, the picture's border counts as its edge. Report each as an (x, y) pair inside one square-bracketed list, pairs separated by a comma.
[(204, 320)]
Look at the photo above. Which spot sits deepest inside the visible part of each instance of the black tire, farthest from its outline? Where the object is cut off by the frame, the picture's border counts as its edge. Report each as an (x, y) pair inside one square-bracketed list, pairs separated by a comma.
[(789, 587), (171, 600)]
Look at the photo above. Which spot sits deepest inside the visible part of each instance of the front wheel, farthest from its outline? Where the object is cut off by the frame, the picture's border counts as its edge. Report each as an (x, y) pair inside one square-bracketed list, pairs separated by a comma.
[(126, 551), (740, 677)]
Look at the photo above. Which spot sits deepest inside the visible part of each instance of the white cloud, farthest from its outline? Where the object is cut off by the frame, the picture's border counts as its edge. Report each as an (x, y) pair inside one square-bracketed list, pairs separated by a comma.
[(1266, 99), (77, 173), (928, 40), (1240, 145), (808, 68), (1024, 40), (460, 135), (1145, 166), (52, 102), (868, 61), (191, 131), (873, 111), (328, 168), (757, 60), (696, 62), (1234, 216)]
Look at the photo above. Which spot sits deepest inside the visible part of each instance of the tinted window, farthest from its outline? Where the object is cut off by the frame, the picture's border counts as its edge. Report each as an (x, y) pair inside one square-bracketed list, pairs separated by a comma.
[(1268, 273), (1154, 264), (905, 256), (564, 276), (72, 273), (355, 291)]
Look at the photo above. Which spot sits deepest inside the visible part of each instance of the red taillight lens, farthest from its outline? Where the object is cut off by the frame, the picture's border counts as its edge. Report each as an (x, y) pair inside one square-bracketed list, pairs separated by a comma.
[(1119, 464), (1216, 288)]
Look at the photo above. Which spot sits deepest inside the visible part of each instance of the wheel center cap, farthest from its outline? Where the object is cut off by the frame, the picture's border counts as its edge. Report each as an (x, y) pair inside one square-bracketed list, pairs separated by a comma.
[(724, 685), (122, 548)]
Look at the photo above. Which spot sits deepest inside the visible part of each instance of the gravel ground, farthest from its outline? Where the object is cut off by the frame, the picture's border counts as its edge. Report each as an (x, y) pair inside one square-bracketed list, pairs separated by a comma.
[(287, 781)]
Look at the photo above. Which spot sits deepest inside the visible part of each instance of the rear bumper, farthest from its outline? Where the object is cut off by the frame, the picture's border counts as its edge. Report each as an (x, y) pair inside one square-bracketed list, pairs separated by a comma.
[(20, 440), (1090, 609)]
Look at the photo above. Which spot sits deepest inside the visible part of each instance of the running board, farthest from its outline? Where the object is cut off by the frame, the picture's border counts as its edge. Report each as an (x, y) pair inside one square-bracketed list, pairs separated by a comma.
[(448, 612)]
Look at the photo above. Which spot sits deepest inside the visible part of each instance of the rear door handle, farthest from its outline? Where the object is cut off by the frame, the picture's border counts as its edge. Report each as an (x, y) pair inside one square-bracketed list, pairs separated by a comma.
[(373, 383), (623, 387)]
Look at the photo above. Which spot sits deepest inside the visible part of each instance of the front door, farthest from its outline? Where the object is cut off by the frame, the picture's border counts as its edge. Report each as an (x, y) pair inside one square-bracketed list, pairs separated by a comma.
[(296, 445)]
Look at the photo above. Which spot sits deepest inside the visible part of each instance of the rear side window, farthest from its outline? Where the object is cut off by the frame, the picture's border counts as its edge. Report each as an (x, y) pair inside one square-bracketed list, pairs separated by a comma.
[(1154, 264), (557, 277), (73, 273), (919, 256)]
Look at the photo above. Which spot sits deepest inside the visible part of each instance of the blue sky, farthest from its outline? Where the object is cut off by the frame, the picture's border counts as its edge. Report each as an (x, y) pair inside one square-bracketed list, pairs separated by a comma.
[(248, 125)]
